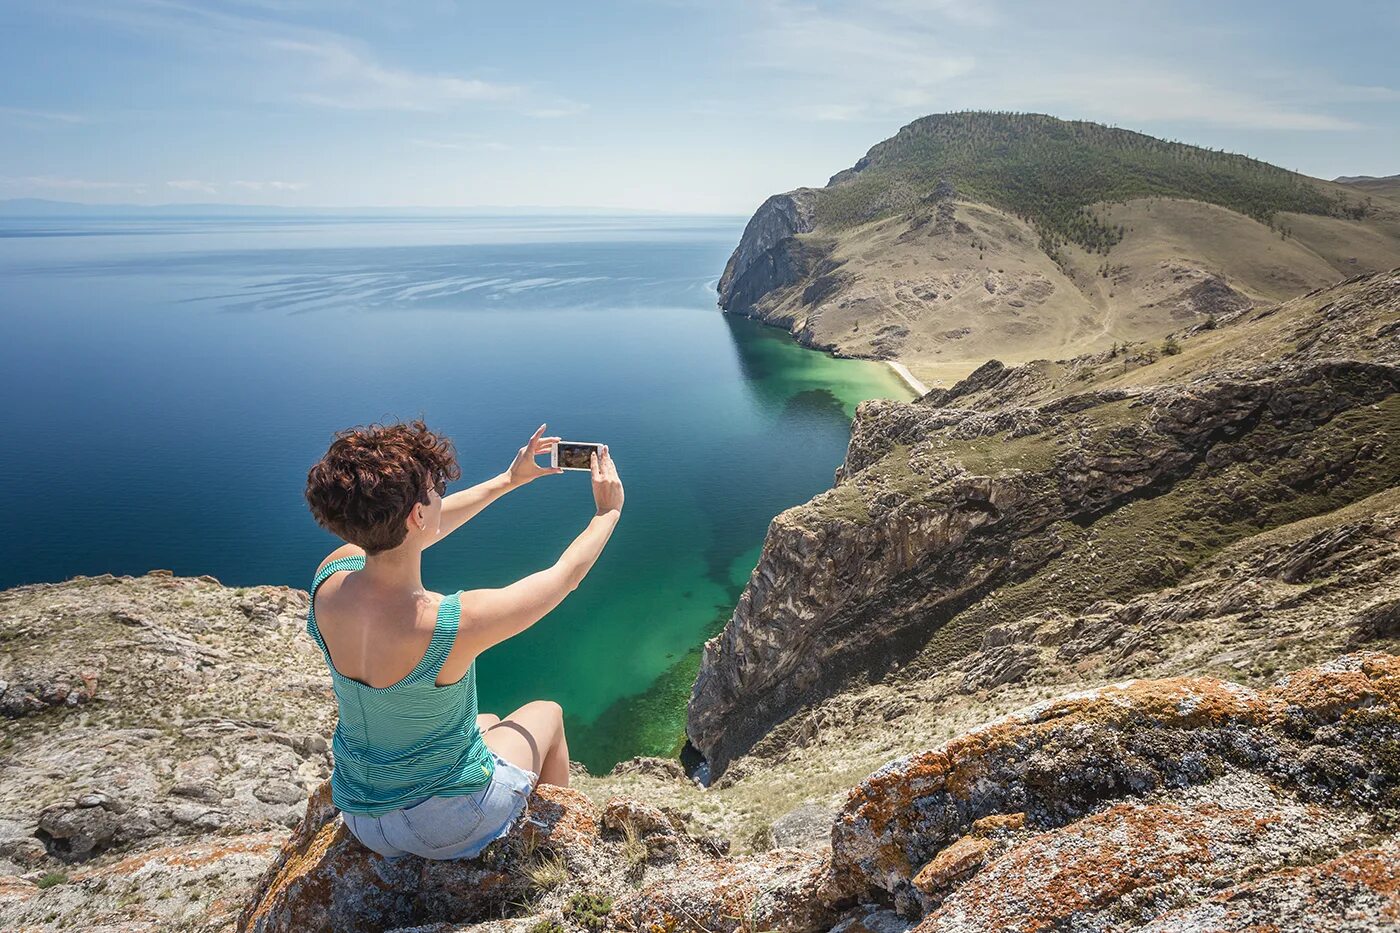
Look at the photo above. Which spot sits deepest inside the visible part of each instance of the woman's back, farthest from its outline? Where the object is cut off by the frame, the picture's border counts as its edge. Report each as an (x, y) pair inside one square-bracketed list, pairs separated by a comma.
[(410, 739)]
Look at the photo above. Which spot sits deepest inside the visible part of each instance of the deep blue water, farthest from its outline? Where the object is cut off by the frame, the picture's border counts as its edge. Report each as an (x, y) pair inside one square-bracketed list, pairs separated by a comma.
[(168, 382)]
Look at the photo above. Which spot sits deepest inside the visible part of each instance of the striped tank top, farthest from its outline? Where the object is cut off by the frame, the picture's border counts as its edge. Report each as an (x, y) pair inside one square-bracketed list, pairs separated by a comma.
[(397, 745)]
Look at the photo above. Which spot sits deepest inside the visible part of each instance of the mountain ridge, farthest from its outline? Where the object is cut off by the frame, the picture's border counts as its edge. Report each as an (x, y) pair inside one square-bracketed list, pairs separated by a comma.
[(973, 235)]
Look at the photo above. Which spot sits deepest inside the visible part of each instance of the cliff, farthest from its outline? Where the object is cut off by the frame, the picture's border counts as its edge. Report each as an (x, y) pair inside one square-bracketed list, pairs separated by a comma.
[(1098, 493), (969, 236), (1169, 804)]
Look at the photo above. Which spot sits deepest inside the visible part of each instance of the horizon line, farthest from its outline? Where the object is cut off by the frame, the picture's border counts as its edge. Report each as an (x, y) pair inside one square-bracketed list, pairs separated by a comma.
[(565, 208)]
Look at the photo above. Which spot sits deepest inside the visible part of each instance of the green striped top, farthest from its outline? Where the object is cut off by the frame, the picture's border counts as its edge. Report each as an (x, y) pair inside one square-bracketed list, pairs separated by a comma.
[(400, 744)]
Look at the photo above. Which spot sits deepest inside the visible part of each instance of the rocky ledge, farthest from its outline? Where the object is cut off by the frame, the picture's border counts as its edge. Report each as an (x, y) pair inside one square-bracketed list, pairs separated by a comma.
[(161, 735), (1176, 804)]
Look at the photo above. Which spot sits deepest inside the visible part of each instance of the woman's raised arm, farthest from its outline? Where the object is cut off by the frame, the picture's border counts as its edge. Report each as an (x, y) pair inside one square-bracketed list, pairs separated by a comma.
[(461, 506), (490, 616)]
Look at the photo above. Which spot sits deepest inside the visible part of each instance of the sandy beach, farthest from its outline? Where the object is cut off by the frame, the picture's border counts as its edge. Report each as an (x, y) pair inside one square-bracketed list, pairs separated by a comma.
[(903, 372)]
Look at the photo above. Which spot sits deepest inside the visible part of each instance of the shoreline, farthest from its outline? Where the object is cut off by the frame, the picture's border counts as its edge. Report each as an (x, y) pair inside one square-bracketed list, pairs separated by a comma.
[(904, 374)]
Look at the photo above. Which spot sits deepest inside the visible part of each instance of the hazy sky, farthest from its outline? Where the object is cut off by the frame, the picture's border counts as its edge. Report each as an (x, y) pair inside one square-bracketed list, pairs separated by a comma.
[(696, 106)]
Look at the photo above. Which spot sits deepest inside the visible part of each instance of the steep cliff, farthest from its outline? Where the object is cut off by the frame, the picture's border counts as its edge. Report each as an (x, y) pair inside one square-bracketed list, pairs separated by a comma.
[(974, 235), (1053, 488)]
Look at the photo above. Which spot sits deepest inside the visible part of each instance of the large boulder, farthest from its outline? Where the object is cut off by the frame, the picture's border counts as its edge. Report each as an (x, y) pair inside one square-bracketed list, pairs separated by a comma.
[(634, 866), (1127, 800)]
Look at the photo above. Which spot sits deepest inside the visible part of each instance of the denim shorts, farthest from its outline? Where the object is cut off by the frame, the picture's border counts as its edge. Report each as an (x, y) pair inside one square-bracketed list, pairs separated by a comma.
[(449, 827)]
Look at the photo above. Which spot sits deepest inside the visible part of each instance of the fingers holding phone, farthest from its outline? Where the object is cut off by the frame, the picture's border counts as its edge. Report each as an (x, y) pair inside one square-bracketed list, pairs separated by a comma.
[(607, 485)]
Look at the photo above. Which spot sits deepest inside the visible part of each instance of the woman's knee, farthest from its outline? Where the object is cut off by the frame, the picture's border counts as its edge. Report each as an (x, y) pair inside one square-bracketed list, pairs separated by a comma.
[(485, 721), (546, 709)]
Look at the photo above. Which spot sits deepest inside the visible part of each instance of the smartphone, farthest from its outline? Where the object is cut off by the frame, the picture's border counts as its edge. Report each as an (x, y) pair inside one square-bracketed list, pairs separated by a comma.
[(573, 455)]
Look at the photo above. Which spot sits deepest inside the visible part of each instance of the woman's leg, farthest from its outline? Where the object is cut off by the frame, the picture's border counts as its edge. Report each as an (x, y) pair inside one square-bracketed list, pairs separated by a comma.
[(485, 721), (532, 737)]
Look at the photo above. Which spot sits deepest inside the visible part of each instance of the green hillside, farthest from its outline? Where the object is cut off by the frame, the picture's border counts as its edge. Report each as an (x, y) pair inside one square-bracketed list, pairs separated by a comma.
[(1048, 171)]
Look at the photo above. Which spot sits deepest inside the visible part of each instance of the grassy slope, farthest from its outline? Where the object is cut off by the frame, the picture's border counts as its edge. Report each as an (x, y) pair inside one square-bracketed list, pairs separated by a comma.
[(1065, 238), (1050, 171)]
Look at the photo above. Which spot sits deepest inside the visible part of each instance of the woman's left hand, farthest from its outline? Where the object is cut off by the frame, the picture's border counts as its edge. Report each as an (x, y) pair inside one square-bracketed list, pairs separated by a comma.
[(525, 467)]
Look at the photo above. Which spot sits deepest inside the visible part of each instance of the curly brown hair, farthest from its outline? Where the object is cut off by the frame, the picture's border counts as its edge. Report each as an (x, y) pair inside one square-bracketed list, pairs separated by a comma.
[(365, 486)]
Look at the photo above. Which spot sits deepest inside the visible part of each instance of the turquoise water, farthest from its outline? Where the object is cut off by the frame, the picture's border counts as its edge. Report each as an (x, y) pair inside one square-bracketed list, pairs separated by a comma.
[(169, 382)]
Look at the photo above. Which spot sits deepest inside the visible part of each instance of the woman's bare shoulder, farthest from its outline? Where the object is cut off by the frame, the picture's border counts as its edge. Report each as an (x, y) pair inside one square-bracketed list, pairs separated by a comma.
[(345, 550)]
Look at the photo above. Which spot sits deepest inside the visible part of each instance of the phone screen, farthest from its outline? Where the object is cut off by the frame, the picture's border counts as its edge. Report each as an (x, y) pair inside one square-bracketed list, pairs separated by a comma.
[(574, 455)]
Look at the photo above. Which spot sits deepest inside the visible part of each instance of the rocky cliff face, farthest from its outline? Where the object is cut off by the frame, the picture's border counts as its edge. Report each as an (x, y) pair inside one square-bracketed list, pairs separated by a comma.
[(1025, 667), (1052, 488), (768, 256)]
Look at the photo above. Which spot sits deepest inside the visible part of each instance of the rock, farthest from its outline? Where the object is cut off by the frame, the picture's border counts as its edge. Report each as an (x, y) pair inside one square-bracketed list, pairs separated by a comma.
[(998, 823), (194, 886), (663, 768), (1378, 620), (620, 812), (1319, 737), (779, 890), (74, 833), (762, 260), (951, 864), (1356, 891), (325, 880), (868, 919), (279, 792), (807, 827)]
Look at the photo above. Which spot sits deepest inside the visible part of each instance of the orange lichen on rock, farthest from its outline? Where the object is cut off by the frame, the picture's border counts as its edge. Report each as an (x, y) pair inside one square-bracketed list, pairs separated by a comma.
[(999, 823), (1059, 761), (1126, 859), (957, 860), (1356, 891)]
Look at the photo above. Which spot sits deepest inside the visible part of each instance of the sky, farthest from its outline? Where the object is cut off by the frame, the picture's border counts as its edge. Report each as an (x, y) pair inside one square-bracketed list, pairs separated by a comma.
[(706, 106)]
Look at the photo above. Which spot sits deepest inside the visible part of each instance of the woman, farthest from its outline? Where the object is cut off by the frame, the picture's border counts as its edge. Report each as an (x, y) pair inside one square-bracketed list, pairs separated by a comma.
[(417, 769)]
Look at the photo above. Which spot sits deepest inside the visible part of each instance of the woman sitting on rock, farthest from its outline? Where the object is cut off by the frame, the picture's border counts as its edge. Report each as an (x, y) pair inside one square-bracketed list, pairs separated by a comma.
[(417, 769)]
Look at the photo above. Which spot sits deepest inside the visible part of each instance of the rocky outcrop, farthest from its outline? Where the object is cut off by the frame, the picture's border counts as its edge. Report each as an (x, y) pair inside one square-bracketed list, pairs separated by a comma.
[(950, 512), (1128, 799), (623, 866), (162, 736), (768, 256), (1122, 808), (1185, 803)]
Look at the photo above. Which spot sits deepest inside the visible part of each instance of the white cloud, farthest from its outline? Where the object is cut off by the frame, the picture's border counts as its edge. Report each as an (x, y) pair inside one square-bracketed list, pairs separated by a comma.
[(898, 59), (190, 184), (463, 142), (268, 185), (1133, 91), (50, 116), (856, 63), (337, 76)]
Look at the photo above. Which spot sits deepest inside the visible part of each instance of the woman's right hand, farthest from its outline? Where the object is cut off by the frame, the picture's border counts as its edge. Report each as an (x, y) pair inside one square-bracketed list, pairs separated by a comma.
[(607, 488)]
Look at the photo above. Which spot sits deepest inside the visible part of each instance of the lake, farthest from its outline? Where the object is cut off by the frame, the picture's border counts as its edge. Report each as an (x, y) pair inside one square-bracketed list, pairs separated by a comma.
[(170, 380)]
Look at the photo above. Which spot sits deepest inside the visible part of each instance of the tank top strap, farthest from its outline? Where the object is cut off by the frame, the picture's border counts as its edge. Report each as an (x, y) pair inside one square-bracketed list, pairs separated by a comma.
[(349, 562), (449, 616)]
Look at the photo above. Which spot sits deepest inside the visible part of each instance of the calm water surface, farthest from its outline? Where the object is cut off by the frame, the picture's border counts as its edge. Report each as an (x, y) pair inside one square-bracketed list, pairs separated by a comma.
[(168, 382)]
